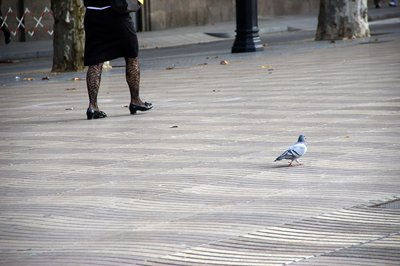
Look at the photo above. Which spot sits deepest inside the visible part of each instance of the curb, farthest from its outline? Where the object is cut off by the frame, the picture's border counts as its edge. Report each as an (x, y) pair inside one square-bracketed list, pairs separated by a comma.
[(389, 15), (26, 55)]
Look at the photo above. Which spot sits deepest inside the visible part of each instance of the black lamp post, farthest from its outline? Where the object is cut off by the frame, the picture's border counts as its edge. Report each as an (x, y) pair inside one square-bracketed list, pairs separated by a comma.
[(247, 38)]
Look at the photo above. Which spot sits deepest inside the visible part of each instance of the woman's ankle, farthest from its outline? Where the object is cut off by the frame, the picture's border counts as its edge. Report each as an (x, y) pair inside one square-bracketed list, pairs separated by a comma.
[(93, 106), (136, 101)]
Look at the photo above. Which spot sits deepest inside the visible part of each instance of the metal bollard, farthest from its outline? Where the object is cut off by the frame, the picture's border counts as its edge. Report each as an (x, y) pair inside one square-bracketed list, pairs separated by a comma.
[(247, 37)]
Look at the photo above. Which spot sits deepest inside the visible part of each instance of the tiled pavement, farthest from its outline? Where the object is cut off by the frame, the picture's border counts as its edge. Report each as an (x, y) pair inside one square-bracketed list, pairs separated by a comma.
[(193, 181)]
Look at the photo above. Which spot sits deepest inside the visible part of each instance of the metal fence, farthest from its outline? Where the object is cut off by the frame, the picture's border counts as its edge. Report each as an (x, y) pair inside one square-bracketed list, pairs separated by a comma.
[(30, 23)]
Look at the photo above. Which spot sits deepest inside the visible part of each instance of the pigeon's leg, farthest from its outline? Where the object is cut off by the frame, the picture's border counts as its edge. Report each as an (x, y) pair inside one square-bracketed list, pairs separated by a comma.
[(291, 163), (298, 161)]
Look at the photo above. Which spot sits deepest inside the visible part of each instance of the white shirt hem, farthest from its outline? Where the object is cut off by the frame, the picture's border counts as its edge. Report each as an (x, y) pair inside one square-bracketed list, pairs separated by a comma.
[(97, 8)]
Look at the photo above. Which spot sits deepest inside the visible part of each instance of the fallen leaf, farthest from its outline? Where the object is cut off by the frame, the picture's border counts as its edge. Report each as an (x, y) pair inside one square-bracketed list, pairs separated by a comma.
[(46, 78), (77, 79), (270, 68), (173, 126), (224, 62), (29, 79), (170, 67), (69, 108), (70, 89)]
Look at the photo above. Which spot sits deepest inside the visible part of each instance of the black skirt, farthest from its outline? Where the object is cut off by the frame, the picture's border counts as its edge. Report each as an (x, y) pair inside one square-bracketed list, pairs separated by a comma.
[(108, 35)]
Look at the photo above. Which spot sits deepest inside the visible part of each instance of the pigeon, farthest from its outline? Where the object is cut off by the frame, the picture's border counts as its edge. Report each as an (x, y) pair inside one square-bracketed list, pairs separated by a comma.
[(294, 152)]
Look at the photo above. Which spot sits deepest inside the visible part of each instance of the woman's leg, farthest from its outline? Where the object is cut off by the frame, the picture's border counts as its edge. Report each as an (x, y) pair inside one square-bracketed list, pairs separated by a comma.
[(93, 78), (133, 79)]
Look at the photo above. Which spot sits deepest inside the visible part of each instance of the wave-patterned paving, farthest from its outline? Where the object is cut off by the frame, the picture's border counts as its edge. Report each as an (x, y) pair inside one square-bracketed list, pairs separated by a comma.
[(193, 181), (341, 238)]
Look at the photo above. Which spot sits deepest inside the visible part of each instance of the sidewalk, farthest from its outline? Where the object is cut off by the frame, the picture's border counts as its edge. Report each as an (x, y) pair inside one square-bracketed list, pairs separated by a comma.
[(193, 181), (192, 35)]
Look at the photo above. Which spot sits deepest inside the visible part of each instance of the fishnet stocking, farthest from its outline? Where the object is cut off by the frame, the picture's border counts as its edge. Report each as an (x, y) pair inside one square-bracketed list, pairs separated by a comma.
[(133, 79), (93, 78)]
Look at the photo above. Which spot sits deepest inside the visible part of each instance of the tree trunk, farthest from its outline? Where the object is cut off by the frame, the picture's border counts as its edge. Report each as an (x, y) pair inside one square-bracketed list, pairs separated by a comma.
[(342, 19), (69, 35)]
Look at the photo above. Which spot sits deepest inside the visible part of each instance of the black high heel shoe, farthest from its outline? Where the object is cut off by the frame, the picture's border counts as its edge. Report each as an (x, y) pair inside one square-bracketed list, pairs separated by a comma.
[(133, 108), (94, 114)]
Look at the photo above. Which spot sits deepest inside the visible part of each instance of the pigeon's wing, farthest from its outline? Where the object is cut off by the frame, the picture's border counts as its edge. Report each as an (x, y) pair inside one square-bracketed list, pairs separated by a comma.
[(287, 155), (298, 149), (295, 151)]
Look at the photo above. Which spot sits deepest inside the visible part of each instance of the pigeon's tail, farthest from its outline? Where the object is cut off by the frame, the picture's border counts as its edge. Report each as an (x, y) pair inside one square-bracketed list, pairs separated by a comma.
[(280, 158)]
